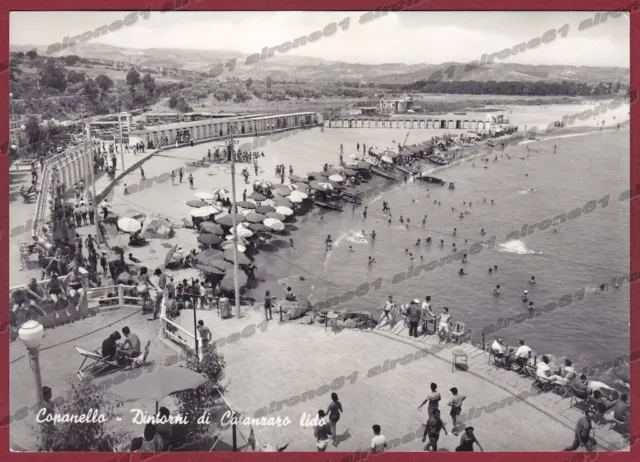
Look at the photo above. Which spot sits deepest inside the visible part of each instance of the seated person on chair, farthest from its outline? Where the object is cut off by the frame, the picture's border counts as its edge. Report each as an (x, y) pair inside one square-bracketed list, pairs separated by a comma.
[(130, 348), (543, 370), (597, 399), (498, 348), (523, 354), (565, 375), (581, 384), (110, 346)]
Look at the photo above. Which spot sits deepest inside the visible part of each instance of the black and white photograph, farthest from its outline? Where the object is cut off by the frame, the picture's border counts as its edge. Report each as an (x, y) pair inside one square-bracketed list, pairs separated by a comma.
[(334, 231)]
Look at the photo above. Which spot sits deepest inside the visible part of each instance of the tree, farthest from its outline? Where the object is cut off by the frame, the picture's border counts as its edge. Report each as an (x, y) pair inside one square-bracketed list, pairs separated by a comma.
[(32, 130), (52, 76), (173, 101), (86, 436), (91, 89), (104, 83), (269, 82), (32, 54), (133, 78), (71, 60), (75, 77), (149, 84), (193, 404), (20, 55), (248, 82)]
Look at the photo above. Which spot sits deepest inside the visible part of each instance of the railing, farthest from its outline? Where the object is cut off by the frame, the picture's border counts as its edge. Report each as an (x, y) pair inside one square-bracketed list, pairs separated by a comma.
[(169, 329)]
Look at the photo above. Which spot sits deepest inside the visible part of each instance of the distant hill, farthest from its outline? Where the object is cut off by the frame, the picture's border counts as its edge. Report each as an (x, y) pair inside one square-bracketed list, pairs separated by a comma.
[(294, 67)]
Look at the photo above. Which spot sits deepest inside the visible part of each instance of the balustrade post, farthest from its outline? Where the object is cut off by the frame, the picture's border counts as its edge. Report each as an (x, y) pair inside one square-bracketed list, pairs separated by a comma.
[(120, 294)]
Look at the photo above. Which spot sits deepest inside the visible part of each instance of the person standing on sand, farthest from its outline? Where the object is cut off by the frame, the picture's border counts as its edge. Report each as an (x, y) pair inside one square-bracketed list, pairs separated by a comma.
[(322, 432), (433, 398), (190, 181), (456, 408), (180, 174), (467, 440), (267, 306), (432, 428), (387, 309), (582, 433), (334, 410)]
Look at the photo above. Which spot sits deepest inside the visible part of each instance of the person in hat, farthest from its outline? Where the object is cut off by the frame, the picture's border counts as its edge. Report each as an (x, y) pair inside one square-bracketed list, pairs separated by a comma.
[(525, 296)]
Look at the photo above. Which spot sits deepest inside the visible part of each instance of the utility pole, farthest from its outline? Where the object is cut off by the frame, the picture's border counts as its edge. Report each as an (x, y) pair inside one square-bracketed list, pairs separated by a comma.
[(120, 130), (233, 216)]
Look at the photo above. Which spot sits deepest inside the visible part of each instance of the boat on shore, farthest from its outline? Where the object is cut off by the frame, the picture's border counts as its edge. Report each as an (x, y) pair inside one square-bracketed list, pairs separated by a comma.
[(431, 179), (411, 171), (383, 174), (438, 159), (327, 205)]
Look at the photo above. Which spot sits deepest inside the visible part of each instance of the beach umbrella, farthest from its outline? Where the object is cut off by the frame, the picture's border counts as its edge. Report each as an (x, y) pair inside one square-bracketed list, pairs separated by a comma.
[(283, 202), (246, 205), (210, 269), (296, 178), (254, 217), (129, 225), (284, 192), (211, 228), (158, 384), (228, 282), (363, 164), (291, 187), (227, 220), (387, 159), (274, 224), (221, 263), (207, 256), (275, 216), (197, 203), (242, 258), (265, 209), (229, 246), (263, 183), (322, 185), (336, 178), (406, 153), (257, 197), (204, 211), (295, 200), (221, 191), (205, 196), (333, 171), (314, 174), (286, 211), (298, 195), (325, 174), (349, 172), (243, 232), (257, 227), (209, 239), (301, 186)]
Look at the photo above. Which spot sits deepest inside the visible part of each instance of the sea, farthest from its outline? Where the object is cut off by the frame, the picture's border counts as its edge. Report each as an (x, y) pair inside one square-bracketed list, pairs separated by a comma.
[(515, 198)]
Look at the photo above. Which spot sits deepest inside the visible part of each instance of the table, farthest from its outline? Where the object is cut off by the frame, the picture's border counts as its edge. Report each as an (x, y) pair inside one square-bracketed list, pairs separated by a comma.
[(457, 353)]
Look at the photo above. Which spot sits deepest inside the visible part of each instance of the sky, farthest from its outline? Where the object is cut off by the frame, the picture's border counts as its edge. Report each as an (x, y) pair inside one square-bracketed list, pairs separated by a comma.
[(398, 37)]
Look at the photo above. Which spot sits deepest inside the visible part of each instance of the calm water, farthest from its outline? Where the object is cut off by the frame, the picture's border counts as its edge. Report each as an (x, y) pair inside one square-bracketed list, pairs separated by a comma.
[(582, 253)]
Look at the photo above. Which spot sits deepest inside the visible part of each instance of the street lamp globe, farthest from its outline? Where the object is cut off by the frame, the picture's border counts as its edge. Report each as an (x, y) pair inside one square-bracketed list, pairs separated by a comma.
[(23, 128), (31, 333), (10, 95)]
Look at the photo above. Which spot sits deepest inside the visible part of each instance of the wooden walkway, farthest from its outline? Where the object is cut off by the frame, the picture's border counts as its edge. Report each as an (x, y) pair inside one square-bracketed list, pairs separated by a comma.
[(549, 403)]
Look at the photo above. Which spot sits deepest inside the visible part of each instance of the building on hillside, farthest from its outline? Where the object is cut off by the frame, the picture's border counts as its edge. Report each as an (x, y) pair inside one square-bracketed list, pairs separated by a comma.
[(399, 106)]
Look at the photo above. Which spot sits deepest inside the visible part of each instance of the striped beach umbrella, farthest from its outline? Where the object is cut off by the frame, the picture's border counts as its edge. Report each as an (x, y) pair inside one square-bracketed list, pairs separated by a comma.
[(263, 183), (221, 191)]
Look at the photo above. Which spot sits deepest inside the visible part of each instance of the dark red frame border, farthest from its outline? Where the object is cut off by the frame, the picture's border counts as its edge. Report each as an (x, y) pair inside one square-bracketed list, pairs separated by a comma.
[(6, 6)]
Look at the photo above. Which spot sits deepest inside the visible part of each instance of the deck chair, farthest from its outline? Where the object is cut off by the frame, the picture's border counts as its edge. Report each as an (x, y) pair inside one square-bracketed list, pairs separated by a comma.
[(97, 363), (141, 359), (579, 398), (457, 332), (540, 384)]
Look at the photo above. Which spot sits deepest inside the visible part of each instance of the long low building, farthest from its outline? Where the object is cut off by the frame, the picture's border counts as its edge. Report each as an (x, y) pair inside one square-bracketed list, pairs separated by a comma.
[(205, 129), (453, 121)]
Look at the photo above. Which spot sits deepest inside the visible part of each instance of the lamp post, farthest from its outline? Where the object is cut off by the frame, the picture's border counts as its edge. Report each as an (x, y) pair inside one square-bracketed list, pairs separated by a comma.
[(231, 132), (31, 334)]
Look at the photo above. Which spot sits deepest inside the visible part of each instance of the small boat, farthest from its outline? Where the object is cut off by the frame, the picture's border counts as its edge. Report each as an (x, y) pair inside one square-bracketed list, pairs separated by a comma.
[(326, 205), (431, 179), (452, 186), (348, 197), (437, 159)]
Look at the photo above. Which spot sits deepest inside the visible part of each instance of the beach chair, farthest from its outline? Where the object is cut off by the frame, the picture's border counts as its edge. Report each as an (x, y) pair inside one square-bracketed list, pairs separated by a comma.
[(458, 332), (141, 360), (97, 363), (541, 385), (579, 398)]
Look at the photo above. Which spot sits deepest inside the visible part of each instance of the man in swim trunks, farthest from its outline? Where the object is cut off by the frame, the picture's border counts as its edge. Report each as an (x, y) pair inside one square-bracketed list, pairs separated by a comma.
[(445, 320), (130, 348), (389, 306), (55, 289)]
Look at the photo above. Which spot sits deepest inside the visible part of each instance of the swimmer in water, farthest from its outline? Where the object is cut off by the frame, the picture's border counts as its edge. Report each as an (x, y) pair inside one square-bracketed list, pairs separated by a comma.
[(421, 257), (389, 221), (454, 247), (406, 226), (413, 201), (428, 240), (424, 220), (441, 243), (531, 306), (418, 243), (373, 234), (525, 296), (371, 261), (491, 201), (406, 250), (496, 291), (495, 268), (461, 216), (328, 242), (526, 174), (464, 258), (490, 271), (532, 280), (401, 220), (455, 230), (411, 256), (465, 241), (408, 220), (482, 233), (461, 272), (350, 248), (291, 242), (484, 200)]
